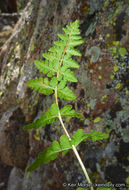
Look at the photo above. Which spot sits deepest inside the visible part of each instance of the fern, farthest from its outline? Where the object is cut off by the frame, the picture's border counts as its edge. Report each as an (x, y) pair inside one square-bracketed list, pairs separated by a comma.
[(57, 65), (51, 153)]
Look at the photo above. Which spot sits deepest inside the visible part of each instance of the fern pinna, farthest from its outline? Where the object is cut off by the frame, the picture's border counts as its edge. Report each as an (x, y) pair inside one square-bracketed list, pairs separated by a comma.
[(57, 64)]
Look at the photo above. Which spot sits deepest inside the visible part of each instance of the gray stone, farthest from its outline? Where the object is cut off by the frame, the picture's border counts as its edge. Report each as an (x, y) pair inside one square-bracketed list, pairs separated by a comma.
[(13, 139)]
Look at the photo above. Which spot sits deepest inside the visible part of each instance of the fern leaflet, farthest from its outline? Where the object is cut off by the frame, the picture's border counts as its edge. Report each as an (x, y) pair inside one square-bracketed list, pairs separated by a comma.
[(51, 153)]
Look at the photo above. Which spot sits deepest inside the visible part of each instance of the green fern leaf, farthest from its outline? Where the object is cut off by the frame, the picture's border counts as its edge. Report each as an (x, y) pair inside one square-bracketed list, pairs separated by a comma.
[(38, 162), (95, 135), (60, 43), (63, 37), (51, 153), (65, 142), (73, 51), (75, 42), (69, 62), (46, 67), (62, 84), (72, 29), (68, 75), (75, 37), (51, 57), (77, 137), (65, 93), (47, 118), (41, 85), (67, 111)]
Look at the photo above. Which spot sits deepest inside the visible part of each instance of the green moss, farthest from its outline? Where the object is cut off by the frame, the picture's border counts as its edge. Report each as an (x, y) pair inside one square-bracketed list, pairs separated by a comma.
[(19, 100), (30, 10), (108, 35), (118, 86), (127, 91), (115, 68), (106, 3), (114, 50), (40, 11), (36, 135), (1, 93), (116, 43), (32, 47), (116, 11), (111, 76), (104, 96), (122, 52), (100, 77), (97, 119)]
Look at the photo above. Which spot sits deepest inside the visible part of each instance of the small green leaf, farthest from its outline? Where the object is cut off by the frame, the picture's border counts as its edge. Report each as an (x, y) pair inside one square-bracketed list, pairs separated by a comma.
[(66, 93), (45, 119), (69, 62), (73, 51), (41, 85), (68, 111), (63, 37), (68, 75), (46, 67), (60, 43), (95, 135), (77, 137), (51, 153), (75, 42), (64, 142), (65, 145), (38, 162)]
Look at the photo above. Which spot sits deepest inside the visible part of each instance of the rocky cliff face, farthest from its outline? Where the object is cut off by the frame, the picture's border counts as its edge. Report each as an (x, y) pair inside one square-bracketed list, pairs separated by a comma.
[(102, 92)]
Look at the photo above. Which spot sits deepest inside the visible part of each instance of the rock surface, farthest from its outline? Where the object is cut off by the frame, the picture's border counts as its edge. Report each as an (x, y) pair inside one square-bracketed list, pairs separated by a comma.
[(14, 143)]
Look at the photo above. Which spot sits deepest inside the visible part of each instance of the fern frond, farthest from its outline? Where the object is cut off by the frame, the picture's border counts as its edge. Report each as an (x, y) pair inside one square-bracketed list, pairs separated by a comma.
[(46, 67), (65, 93), (75, 42), (51, 153), (70, 63), (43, 85), (67, 111), (63, 36), (95, 135), (47, 118), (52, 56), (71, 51), (67, 74)]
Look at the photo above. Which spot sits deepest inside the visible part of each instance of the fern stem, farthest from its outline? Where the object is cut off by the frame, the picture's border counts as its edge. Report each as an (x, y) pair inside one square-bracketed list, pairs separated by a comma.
[(75, 151), (82, 165), (73, 147), (62, 124)]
